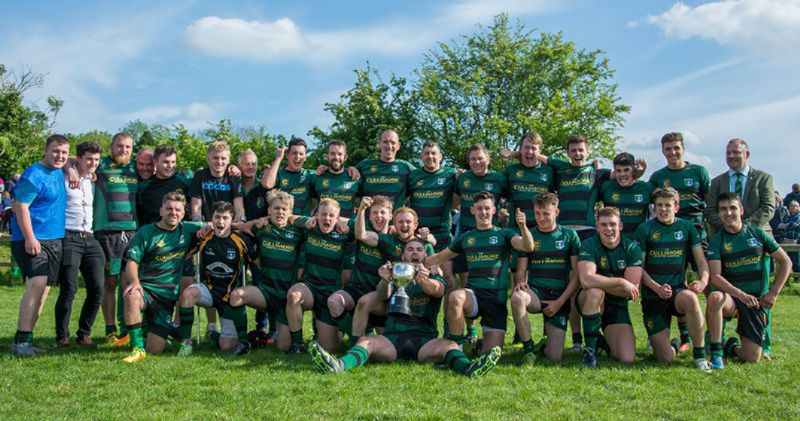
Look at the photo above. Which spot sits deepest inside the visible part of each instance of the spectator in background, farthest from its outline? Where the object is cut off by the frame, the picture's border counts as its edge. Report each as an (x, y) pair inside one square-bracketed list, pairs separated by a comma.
[(793, 195), (5, 212), (790, 225), (780, 212), (12, 182)]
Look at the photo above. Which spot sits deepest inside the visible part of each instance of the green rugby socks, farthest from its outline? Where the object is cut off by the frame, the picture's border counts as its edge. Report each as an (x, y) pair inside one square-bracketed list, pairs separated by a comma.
[(187, 319), (23, 336), (355, 357), (683, 328), (456, 360), (591, 330), (137, 337)]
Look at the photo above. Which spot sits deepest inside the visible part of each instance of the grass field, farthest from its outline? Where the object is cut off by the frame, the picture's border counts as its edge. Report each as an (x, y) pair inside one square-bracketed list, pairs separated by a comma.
[(75, 383)]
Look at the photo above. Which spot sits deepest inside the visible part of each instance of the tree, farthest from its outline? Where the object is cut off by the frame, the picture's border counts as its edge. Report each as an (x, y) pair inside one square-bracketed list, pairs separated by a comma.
[(364, 112), (23, 129), (499, 83)]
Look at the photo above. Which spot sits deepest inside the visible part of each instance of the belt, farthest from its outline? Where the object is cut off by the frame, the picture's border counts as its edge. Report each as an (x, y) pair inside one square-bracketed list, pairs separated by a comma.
[(82, 234)]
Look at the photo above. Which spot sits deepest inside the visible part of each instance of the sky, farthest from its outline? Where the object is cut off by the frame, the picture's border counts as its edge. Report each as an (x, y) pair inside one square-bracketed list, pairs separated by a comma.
[(712, 70)]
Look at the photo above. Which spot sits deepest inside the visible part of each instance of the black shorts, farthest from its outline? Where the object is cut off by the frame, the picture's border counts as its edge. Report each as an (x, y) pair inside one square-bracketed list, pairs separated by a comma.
[(561, 318), (408, 345), (615, 312), (158, 313), (752, 322), (657, 313), (188, 268), (46, 263), (460, 264), (492, 311), (114, 245), (443, 240), (374, 320), (321, 311)]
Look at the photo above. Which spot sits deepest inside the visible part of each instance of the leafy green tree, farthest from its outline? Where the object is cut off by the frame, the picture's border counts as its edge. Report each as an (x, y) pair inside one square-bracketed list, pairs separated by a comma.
[(364, 112)]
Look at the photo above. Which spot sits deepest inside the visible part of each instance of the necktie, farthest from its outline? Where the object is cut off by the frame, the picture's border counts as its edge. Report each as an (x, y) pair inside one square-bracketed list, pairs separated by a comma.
[(739, 186)]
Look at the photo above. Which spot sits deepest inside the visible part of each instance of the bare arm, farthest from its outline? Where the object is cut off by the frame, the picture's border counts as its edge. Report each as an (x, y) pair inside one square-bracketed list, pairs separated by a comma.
[(269, 177), (369, 238), (197, 205), (130, 278), (719, 282), (702, 270), (430, 286), (521, 274), (22, 210), (439, 258), (784, 268), (589, 278), (238, 206), (523, 242)]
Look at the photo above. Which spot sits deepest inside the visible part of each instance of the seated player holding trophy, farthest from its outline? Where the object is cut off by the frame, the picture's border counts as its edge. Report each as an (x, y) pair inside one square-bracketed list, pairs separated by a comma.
[(415, 293)]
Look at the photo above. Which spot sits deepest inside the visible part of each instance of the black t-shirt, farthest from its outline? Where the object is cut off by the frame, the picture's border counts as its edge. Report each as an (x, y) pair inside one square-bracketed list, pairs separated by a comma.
[(222, 260), (212, 189), (152, 191), (255, 201)]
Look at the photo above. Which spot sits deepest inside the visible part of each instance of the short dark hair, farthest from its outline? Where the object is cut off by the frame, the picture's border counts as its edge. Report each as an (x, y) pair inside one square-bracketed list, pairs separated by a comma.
[(164, 150), (478, 147), (223, 207), (576, 138), (728, 196), (483, 195), (672, 137), (431, 144), (90, 146), (337, 142), (545, 199), (625, 159), (296, 141), (59, 139)]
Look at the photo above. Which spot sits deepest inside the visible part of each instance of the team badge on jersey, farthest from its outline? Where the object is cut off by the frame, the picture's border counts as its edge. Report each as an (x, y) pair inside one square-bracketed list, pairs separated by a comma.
[(395, 168), (667, 183), (639, 198), (289, 234), (284, 182), (615, 197), (544, 177), (537, 245), (421, 182), (160, 243), (302, 178), (260, 202), (373, 168), (656, 236), (466, 184), (603, 262), (679, 235), (440, 181), (181, 239), (752, 242), (493, 240), (489, 186), (560, 244), (470, 241), (520, 174), (688, 182), (231, 254), (326, 184), (621, 263), (728, 247)]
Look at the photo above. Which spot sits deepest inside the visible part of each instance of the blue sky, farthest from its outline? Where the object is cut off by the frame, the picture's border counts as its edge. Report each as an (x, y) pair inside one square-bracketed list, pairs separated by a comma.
[(712, 70)]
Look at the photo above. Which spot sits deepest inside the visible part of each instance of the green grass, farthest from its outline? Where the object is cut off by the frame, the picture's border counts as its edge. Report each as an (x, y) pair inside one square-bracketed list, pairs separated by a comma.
[(77, 383)]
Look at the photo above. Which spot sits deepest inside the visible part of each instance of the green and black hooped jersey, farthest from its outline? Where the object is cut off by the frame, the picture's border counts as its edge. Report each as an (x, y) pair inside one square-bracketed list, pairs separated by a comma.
[(577, 191), (254, 200), (612, 263), (391, 247), (667, 249), (550, 263), (160, 255), (298, 184), (278, 248), (115, 196), (388, 179), (325, 254), (339, 187), (633, 202), (742, 256), (524, 184), (152, 191), (431, 196), (469, 184), (487, 253), (365, 268), (424, 313), (692, 183), (222, 260)]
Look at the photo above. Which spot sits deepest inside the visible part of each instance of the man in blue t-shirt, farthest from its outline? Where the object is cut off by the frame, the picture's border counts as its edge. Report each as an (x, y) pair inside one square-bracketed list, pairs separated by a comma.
[(36, 231)]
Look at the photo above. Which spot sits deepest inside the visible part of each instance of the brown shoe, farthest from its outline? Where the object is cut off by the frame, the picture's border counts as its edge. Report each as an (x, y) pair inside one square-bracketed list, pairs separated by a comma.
[(63, 343), (85, 342)]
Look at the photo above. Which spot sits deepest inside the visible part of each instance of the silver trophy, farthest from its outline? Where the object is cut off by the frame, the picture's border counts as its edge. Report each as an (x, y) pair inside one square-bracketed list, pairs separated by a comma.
[(402, 275)]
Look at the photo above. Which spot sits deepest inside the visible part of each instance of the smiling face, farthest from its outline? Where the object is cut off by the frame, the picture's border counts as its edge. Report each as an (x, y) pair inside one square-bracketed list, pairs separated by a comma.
[(736, 155), (171, 212), (406, 225), (529, 153), (248, 164), (165, 165), (389, 144), (379, 216), (730, 213), (624, 174), (483, 211), (479, 162), (673, 152), (221, 222), (431, 158), (296, 157), (578, 153), (546, 217), (88, 163), (144, 163), (327, 217), (666, 209), (218, 161), (608, 228), (56, 154), (337, 155)]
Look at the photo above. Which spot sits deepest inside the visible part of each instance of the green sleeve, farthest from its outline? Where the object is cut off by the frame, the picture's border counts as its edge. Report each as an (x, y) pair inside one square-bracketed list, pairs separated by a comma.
[(634, 254), (138, 246), (694, 236), (587, 253), (300, 221), (714, 246), (640, 237), (575, 243)]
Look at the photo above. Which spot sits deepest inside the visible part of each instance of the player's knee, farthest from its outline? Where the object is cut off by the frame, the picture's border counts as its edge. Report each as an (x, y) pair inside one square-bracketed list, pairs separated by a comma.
[(518, 300), (294, 297), (236, 298), (335, 304), (715, 300), (626, 357), (457, 299)]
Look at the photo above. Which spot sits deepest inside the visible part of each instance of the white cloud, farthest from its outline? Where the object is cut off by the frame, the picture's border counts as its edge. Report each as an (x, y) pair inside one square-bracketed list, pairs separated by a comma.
[(283, 39), (195, 115), (755, 26)]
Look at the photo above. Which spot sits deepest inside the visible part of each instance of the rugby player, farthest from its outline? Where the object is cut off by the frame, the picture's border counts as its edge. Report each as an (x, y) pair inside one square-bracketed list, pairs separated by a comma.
[(167, 178), (413, 337), (610, 270), (737, 259), (627, 193), (293, 178), (144, 163), (336, 183), (387, 175), (528, 178)]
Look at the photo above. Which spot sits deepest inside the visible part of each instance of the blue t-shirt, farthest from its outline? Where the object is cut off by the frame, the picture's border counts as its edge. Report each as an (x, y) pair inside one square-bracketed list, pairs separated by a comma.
[(43, 188)]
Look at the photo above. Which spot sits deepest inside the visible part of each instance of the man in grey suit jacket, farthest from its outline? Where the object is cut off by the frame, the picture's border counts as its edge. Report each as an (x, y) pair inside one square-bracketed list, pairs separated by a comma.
[(754, 186)]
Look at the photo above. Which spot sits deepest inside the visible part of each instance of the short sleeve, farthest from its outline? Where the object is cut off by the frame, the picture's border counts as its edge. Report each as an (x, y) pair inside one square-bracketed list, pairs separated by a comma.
[(634, 254), (300, 221), (587, 253), (575, 243), (455, 246), (25, 191), (640, 237), (714, 248), (694, 236), (136, 249), (770, 245)]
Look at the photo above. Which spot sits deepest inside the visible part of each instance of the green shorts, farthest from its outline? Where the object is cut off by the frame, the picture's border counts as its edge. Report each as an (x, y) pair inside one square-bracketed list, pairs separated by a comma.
[(657, 313), (561, 318), (275, 303), (615, 312), (321, 311), (158, 313), (408, 345)]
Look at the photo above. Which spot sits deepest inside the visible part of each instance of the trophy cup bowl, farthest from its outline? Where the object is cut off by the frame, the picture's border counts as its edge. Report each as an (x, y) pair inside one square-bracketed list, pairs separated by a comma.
[(403, 275)]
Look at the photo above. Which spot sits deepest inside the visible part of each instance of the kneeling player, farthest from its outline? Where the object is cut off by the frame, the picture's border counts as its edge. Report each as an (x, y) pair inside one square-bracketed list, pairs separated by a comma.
[(223, 255), (487, 249), (152, 274), (609, 269), (667, 243), (412, 337), (552, 278), (739, 271)]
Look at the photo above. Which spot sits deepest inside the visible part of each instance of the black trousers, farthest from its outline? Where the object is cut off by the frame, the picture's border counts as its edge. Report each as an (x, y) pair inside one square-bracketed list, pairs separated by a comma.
[(82, 253)]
